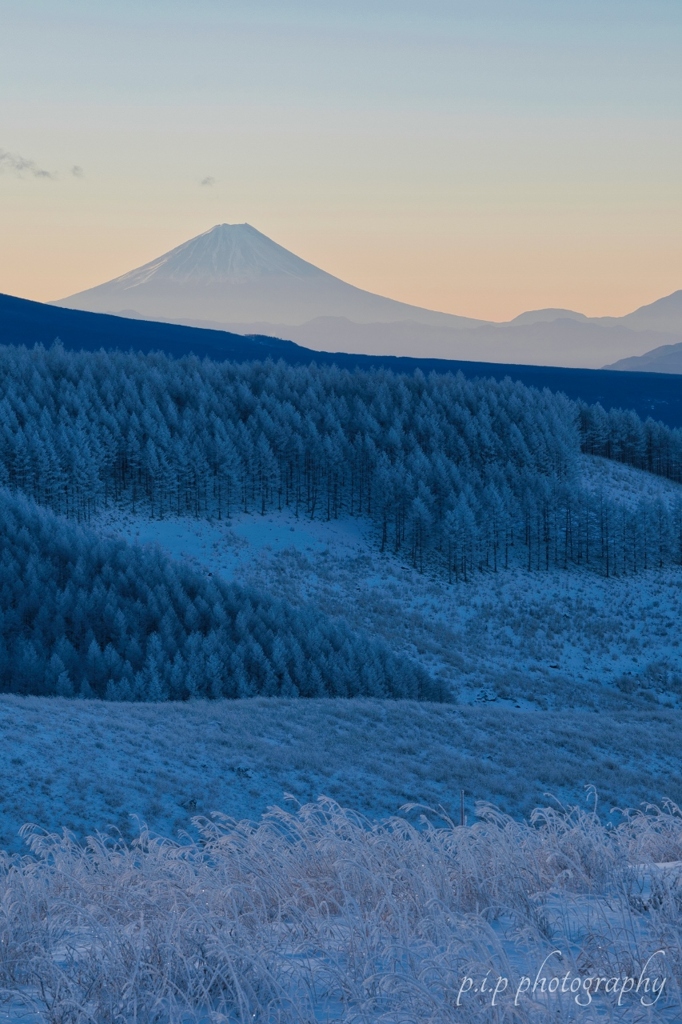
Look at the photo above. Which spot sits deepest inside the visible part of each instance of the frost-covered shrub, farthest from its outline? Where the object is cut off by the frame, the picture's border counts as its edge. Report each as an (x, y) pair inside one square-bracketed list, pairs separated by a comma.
[(320, 915)]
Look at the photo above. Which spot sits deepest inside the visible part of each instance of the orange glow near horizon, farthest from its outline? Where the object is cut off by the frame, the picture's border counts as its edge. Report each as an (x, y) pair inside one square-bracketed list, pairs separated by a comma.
[(482, 277), (480, 159)]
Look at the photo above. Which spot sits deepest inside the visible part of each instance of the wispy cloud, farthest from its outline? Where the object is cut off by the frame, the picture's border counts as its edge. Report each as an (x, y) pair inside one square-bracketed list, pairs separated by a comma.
[(77, 171), (20, 165), (208, 181)]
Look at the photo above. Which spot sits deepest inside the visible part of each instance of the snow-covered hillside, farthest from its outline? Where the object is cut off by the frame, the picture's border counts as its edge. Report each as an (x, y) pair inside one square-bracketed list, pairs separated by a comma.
[(562, 679), (567, 683), (564, 669), (87, 765), (627, 485), (531, 640)]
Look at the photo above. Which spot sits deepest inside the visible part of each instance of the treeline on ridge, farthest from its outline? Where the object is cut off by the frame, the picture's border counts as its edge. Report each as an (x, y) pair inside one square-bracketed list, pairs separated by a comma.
[(456, 474), (89, 617), (621, 435)]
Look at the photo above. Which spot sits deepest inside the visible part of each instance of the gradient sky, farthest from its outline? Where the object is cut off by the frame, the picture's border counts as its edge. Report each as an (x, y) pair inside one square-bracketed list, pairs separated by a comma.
[(480, 157)]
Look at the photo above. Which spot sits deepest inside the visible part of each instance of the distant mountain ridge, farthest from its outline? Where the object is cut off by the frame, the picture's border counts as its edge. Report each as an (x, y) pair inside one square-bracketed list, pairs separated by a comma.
[(664, 315), (23, 322), (235, 278), (664, 359), (565, 341)]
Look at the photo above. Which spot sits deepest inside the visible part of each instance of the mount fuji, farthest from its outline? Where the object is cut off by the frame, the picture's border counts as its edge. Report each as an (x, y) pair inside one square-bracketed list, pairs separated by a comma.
[(235, 274), (235, 278)]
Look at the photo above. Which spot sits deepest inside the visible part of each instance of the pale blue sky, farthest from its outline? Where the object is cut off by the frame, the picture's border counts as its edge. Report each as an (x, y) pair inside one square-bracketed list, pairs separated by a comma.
[(477, 157)]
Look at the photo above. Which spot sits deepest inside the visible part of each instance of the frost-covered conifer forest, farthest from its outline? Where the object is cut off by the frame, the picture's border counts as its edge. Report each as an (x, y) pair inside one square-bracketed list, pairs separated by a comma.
[(302, 650)]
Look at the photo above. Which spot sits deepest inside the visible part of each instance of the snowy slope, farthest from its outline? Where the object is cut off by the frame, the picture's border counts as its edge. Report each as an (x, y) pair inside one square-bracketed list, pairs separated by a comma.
[(88, 765), (563, 679), (537, 640), (317, 914), (627, 485)]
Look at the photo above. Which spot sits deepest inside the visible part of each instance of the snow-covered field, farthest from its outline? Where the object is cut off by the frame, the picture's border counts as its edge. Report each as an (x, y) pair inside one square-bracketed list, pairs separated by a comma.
[(319, 915), (561, 680), (556, 639), (626, 484), (85, 765)]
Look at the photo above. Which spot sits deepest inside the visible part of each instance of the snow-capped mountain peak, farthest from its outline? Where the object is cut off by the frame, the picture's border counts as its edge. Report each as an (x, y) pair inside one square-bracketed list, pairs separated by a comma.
[(233, 273), (226, 253)]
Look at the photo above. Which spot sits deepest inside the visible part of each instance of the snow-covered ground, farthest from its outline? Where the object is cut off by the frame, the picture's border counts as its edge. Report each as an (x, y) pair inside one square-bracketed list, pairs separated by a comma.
[(555, 639), (627, 485), (320, 915), (562, 679), (86, 765)]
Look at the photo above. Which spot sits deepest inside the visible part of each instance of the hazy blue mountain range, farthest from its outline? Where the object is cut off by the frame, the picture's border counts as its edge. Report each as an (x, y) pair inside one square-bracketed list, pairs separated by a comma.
[(23, 322), (664, 359), (662, 316), (234, 278)]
